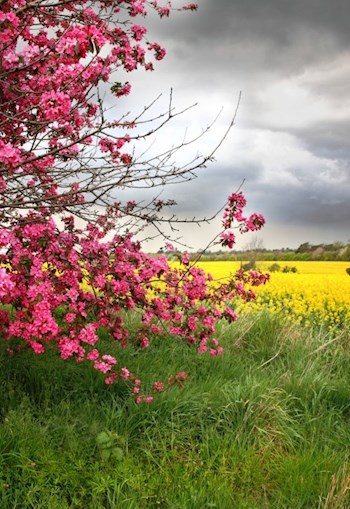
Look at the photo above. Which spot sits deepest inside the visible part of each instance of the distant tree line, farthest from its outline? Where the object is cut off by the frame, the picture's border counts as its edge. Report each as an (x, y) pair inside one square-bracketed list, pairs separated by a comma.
[(338, 251)]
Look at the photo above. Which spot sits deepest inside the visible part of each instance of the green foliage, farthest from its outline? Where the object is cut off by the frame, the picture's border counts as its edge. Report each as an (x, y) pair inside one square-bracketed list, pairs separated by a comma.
[(304, 248), (286, 268), (251, 265), (275, 267), (265, 425), (109, 444), (305, 252), (348, 270)]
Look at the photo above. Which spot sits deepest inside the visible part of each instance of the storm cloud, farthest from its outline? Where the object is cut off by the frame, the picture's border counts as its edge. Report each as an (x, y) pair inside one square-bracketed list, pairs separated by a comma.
[(290, 143)]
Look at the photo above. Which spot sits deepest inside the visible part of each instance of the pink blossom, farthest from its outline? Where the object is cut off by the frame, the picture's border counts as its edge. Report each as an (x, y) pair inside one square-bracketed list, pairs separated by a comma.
[(156, 329), (228, 239), (104, 367), (164, 11), (125, 373), (215, 352), (137, 7), (185, 258), (192, 324), (100, 281), (6, 284), (37, 347), (202, 346), (158, 50), (109, 358), (55, 105), (255, 222), (190, 7), (68, 347), (159, 386), (5, 237), (230, 314), (88, 334), (169, 246), (43, 320), (144, 342), (9, 18), (70, 317), (9, 155), (93, 355), (138, 32)]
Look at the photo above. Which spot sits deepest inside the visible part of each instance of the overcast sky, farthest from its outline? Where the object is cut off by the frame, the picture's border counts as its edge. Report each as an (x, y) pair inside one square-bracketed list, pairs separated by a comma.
[(290, 143)]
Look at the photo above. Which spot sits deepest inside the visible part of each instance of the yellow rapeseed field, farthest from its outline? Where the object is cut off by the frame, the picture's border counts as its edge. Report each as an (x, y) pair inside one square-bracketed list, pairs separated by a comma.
[(317, 294)]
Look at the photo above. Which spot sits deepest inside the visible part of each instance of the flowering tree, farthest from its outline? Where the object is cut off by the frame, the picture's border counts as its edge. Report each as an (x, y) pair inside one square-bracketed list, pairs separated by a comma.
[(58, 150), (60, 155)]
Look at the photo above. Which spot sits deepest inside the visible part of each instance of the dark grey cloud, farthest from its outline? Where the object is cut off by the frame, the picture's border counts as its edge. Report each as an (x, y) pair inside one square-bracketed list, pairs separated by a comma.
[(291, 60), (329, 139), (276, 33)]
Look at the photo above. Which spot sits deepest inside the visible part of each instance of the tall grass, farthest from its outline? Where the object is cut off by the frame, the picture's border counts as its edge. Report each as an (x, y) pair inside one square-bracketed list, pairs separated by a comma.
[(267, 425)]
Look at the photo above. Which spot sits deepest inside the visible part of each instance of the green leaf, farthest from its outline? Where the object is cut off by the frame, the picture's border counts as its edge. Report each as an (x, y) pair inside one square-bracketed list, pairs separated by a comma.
[(105, 454), (117, 453), (103, 439)]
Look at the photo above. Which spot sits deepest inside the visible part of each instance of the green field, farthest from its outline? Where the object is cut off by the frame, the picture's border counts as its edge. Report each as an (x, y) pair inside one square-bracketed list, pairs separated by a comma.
[(266, 425)]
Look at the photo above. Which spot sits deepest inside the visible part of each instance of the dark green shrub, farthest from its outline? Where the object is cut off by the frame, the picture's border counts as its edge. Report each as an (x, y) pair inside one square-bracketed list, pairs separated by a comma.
[(275, 267), (249, 266), (289, 269)]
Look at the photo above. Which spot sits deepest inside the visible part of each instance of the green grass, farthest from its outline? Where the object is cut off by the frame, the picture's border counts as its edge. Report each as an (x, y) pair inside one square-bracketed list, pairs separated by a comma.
[(267, 425)]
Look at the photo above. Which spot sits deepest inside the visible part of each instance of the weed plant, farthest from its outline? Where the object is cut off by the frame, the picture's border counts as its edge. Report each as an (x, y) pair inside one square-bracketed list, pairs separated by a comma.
[(266, 425)]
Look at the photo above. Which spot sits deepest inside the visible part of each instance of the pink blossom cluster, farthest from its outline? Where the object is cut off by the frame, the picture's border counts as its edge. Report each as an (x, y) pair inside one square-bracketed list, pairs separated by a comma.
[(165, 9), (89, 282), (234, 213)]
